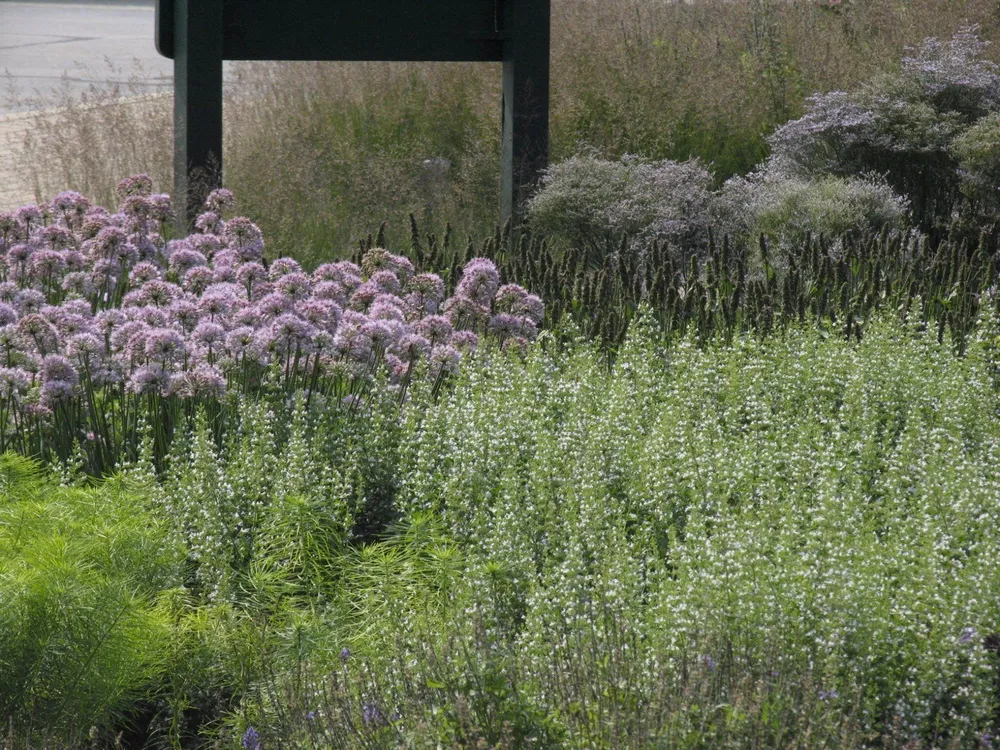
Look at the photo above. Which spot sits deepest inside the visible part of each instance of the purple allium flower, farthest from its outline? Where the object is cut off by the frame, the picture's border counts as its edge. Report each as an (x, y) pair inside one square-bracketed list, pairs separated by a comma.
[(465, 313), (109, 242), (515, 344), (198, 279), (251, 739), (247, 316), (345, 654), (294, 285), (149, 380), (143, 272), (437, 328), (289, 333), (140, 184), (209, 333), (217, 303), (161, 208), (14, 383), (74, 260), (160, 293), (311, 716), (40, 332), (480, 281), (224, 273), (19, 254), (239, 341), (363, 296), (507, 295), (107, 320), (411, 347), (530, 307), (8, 314), (504, 325), (402, 267), (375, 260), (282, 267), (183, 260), (444, 360), (425, 293), (204, 381), (208, 223), (8, 291), (70, 201), (29, 301), (83, 346), (57, 367), (78, 282), (387, 307), (54, 391), (165, 345), (250, 274), (243, 236), (136, 207), (220, 200), (465, 341), (379, 332), (321, 313), (331, 290), (28, 216), (208, 245), (55, 237), (385, 281), (273, 305)]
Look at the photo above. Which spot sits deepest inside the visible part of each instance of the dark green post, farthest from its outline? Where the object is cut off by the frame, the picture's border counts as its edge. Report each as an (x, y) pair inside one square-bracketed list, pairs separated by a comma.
[(525, 146), (197, 46)]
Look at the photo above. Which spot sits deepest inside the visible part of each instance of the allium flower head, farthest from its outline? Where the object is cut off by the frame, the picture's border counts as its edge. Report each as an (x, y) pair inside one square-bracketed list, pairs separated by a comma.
[(465, 313), (208, 223), (480, 281), (444, 360), (437, 328), (164, 345), (140, 184), (198, 279), (465, 341), (385, 281), (295, 285), (149, 380), (209, 334), (182, 260), (8, 314), (204, 381), (57, 367), (220, 200), (143, 272), (245, 237), (412, 346), (13, 383), (375, 260), (282, 267)]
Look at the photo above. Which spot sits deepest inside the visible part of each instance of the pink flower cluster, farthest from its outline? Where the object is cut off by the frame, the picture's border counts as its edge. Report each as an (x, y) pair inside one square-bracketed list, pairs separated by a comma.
[(94, 301)]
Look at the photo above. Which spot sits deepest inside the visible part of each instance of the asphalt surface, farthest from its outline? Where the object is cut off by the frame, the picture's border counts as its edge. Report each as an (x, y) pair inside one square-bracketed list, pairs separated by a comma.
[(47, 47)]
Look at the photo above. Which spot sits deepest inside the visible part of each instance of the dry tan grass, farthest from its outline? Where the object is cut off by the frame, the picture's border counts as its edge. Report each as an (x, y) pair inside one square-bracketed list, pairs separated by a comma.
[(320, 153)]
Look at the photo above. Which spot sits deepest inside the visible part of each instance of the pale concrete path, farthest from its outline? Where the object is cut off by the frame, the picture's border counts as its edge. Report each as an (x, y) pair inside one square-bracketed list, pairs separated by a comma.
[(46, 46), (50, 48)]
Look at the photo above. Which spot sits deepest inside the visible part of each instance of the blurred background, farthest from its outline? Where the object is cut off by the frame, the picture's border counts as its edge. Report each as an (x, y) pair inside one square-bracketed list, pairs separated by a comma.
[(320, 154)]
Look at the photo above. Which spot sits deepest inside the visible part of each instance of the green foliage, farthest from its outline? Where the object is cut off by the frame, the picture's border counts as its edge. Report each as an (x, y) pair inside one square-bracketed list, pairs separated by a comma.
[(82, 634), (787, 210)]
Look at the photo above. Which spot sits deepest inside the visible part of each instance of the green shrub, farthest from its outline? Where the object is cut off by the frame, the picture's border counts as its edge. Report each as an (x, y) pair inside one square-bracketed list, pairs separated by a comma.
[(82, 632), (594, 204), (788, 209)]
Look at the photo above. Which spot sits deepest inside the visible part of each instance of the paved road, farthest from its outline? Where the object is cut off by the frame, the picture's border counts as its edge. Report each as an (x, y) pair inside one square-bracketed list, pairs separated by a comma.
[(84, 42)]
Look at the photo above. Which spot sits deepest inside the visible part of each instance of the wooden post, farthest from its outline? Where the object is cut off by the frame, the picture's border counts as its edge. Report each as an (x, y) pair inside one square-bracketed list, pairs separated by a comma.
[(525, 146), (197, 46)]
